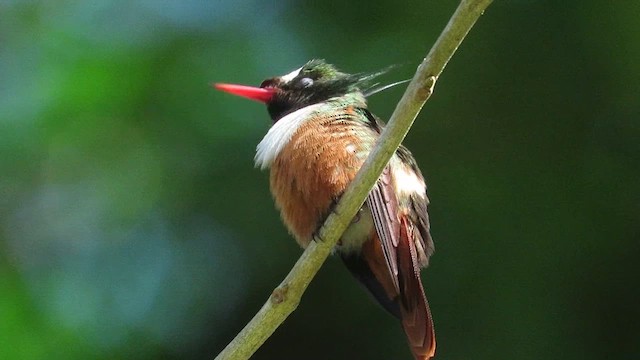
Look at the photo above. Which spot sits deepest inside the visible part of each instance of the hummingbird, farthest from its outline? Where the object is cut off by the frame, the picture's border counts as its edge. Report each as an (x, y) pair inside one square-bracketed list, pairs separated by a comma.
[(322, 132)]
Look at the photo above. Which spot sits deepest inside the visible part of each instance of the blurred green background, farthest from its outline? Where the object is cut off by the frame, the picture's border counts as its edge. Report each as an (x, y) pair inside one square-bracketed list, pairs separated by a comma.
[(134, 225)]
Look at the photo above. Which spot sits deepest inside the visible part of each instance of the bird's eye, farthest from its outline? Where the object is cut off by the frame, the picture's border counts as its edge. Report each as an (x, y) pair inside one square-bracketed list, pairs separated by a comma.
[(306, 82)]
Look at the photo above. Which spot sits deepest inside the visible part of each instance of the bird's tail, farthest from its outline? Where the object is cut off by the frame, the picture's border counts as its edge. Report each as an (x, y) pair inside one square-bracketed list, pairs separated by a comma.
[(410, 304), (414, 308)]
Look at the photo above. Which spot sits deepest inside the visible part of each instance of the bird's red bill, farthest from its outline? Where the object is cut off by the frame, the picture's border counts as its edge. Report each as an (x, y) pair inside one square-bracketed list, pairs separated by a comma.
[(254, 93)]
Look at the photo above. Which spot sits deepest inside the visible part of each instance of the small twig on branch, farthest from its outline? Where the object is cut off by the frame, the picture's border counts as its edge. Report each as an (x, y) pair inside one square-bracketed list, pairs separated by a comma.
[(286, 297)]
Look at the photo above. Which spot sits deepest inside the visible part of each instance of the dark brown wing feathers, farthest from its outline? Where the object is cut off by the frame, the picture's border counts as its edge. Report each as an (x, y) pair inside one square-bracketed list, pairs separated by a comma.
[(384, 207), (398, 234)]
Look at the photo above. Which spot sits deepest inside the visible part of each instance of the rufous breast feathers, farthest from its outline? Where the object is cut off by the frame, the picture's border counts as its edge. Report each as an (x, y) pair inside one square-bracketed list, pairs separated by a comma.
[(313, 169)]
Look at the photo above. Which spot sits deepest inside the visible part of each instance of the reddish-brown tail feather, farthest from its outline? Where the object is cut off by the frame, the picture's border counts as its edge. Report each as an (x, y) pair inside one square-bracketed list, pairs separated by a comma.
[(409, 303), (414, 308)]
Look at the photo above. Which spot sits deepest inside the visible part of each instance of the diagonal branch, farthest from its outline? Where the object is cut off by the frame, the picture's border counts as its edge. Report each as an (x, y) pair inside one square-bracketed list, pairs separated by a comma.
[(286, 297)]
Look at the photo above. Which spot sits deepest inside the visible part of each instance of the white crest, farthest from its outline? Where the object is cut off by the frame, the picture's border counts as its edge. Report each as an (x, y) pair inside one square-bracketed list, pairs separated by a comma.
[(280, 134), (290, 76)]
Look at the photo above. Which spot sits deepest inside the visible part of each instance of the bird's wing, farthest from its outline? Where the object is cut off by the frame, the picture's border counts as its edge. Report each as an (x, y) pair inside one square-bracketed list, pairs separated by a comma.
[(405, 241), (417, 206), (383, 204)]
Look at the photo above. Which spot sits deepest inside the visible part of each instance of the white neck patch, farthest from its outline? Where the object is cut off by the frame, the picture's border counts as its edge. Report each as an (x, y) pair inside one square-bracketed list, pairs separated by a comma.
[(280, 134)]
